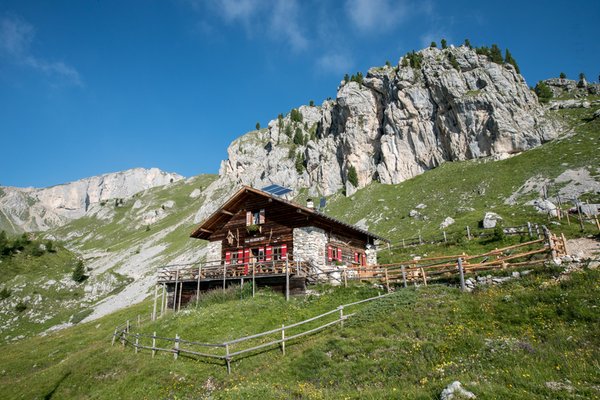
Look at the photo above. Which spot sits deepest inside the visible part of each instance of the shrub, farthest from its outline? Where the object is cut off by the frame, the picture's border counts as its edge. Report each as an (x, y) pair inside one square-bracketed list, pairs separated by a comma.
[(298, 136), (562, 75), (432, 44), (50, 246), (388, 63), (5, 293), (499, 234), (257, 125), (581, 76), (508, 58), (288, 131), (468, 43), (311, 103), (296, 115), (346, 78), (20, 307), (79, 272), (352, 176), (413, 59), (299, 164), (453, 61), (543, 92), (496, 54), (444, 44)]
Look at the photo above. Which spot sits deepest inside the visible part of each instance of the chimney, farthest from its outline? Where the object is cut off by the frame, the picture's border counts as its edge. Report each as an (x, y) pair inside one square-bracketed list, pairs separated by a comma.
[(310, 204)]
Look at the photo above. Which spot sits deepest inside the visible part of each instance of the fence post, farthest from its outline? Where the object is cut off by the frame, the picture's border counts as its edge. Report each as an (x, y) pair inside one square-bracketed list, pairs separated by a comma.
[(341, 308), (529, 229), (445, 238), (198, 286), (137, 342), (404, 276), (139, 320), (155, 301), (462, 275), (163, 300), (227, 359), (578, 205), (424, 276), (387, 281), (345, 278), (176, 349), (287, 280), (114, 337), (468, 232), (175, 292), (253, 278), (153, 343), (283, 339)]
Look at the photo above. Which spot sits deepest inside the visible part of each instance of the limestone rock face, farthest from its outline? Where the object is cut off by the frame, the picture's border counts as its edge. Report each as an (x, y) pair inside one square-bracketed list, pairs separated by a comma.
[(32, 209), (399, 122)]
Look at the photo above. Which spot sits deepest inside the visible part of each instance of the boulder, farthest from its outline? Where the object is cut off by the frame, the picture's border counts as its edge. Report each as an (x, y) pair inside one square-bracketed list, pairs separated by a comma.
[(447, 222), (490, 220), (455, 391)]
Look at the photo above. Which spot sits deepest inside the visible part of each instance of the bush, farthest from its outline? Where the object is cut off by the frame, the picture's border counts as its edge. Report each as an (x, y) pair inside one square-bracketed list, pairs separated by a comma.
[(5, 293), (499, 234), (453, 61), (295, 115), (543, 92), (468, 43), (79, 272), (298, 136), (508, 58), (50, 246), (257, 126), (311, 103), (352, 176), (562, 75), (288, 131), (299, 164), (432, 44), (20, 307), (444, 44)]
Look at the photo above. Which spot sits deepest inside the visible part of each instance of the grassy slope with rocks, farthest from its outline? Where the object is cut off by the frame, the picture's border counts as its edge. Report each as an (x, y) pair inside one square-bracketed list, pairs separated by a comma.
[(45, 285), (531, 338)]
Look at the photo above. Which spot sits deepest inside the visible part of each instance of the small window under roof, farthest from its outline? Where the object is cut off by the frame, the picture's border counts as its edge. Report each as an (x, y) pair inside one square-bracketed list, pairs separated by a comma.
[(276, 190)]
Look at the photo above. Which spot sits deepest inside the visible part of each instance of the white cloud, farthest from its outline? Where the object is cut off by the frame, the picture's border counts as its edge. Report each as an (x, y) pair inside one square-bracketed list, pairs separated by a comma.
[(277, 19), (16, 36), (284, 21), (336, 63), (376, 15)]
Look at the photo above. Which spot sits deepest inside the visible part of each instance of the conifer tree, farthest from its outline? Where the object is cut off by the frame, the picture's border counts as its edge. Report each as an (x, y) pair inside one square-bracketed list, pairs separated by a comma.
[(508, 58), (468, 43), (444, 44), (352, 176), (432, 44), (562, 75), (496, 54)]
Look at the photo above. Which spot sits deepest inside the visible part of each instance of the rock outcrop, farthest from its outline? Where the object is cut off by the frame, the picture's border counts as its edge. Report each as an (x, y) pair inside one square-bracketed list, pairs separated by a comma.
[(29, 209), (398, 122)]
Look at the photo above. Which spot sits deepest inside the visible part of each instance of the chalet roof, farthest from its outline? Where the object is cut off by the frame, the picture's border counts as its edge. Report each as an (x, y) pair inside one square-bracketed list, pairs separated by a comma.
[(220, 217)]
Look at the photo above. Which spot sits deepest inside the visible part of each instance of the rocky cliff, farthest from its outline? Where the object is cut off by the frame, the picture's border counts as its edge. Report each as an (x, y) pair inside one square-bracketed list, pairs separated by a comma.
[(449, 104), (29, 209)]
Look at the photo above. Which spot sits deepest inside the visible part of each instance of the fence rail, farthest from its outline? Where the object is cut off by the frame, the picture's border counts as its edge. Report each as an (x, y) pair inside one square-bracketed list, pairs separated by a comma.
[(126, 337)]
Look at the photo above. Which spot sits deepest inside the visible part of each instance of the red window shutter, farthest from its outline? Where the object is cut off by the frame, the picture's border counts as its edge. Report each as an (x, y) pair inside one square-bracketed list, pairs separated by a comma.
[(283, 251), (269, 251), (248, 218), (227, 257), (240, 259), (364, 260), (355, 257), (329, 254), (261, 217), (246, 260), (339, 254)]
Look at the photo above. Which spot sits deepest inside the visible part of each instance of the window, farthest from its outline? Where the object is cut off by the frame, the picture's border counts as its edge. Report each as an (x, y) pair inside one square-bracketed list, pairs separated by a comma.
[(234, 257), (255, 217)]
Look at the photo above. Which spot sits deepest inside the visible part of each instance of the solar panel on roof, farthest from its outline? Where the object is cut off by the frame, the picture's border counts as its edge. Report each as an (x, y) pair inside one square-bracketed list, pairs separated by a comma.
[(276, 190)]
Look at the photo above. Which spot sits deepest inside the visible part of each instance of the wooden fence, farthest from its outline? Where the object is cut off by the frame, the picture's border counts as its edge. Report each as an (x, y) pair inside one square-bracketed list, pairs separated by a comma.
[(229, 350)]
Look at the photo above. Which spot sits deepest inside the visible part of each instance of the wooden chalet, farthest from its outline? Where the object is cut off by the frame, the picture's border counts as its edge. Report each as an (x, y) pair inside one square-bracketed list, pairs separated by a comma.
[(274, 242)]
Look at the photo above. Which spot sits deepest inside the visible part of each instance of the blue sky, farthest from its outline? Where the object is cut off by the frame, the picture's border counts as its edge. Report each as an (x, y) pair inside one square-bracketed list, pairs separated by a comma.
[(89, 87)]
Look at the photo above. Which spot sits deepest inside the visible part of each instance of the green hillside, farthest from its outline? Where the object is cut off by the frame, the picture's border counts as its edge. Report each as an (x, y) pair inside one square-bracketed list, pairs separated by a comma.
[(532, 338)]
